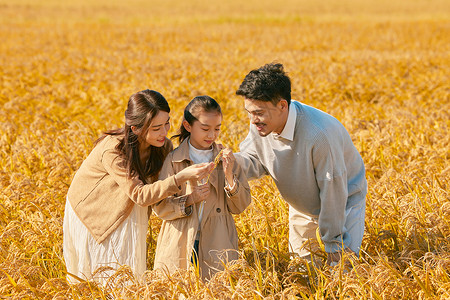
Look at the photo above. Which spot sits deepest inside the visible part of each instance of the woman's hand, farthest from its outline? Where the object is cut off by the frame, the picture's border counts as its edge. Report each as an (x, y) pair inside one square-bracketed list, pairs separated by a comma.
[(228, 160), (199, 194), (195, 173)]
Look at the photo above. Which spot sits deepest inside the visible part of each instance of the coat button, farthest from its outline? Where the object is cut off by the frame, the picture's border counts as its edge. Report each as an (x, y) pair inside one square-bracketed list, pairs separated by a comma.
[(218, 210)]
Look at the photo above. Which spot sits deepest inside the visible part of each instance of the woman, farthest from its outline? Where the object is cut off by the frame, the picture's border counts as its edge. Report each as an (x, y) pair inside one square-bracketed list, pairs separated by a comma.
[(106, 220)]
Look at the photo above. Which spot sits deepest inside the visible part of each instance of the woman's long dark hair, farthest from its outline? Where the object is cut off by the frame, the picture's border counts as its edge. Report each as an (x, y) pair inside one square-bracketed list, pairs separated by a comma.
[(197, 105), (142, 107)]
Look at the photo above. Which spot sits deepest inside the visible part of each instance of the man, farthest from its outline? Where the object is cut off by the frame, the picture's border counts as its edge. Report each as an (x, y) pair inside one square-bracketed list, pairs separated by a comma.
[(312, 159)]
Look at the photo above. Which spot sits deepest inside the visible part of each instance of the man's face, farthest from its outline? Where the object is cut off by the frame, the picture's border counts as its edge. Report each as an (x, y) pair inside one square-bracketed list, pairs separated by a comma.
[(266, 116)]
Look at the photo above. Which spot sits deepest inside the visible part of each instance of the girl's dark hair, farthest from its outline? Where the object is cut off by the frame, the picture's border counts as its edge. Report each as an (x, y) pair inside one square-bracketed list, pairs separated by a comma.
[(268, 83), (142, 107), (191, 112)]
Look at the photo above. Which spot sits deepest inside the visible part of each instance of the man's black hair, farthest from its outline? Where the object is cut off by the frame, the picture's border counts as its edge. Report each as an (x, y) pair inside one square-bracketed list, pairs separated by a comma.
[(268, 83)]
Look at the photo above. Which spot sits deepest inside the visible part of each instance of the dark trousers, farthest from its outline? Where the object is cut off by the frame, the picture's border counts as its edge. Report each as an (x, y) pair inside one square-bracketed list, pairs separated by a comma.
[(194, 259)]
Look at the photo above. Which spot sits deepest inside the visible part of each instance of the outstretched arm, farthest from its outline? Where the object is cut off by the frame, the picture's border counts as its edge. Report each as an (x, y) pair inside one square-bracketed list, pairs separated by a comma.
[(140, 193), (249, 160), (237, 189)]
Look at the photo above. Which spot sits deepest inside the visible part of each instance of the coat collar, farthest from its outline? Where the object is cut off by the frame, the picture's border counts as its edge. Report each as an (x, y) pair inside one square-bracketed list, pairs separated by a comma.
[(181, 154)]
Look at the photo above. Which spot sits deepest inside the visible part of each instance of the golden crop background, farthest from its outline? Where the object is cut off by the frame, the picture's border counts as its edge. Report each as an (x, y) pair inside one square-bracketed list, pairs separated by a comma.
[(381, 67)]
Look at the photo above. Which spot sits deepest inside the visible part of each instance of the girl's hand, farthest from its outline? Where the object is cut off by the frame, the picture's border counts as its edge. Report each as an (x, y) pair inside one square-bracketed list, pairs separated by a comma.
[(199, 194), (228, 160), (195, 173)]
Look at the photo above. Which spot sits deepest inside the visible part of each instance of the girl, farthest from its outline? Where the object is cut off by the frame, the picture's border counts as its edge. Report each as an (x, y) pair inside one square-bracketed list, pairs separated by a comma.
[(105, 221), (197, 223)]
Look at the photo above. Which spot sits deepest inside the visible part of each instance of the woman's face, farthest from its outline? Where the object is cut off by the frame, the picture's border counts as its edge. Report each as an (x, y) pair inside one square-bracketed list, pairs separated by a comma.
[(157, 131), (205, 130)]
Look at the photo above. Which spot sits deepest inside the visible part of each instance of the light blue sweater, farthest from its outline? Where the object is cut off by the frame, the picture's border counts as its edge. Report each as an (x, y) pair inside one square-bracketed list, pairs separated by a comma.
[(320, 173)]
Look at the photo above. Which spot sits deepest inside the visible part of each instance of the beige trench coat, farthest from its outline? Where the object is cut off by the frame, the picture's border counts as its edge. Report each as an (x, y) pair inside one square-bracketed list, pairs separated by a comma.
[(218, 235), (102, 195)]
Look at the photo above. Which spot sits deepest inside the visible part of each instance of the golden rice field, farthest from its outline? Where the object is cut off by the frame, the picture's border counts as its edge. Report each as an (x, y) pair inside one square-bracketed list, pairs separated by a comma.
[(381, 67)]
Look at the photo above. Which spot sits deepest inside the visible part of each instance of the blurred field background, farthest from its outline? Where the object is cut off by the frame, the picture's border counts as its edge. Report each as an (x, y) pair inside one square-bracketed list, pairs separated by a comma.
[(381, 67)]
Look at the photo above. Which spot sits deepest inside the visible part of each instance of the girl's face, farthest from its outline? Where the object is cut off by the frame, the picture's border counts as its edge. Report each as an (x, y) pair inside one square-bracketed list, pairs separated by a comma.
[(205, 130), (157, 131)]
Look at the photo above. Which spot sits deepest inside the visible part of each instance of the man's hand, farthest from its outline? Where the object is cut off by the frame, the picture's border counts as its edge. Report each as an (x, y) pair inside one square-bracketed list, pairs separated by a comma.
[(333, 259)]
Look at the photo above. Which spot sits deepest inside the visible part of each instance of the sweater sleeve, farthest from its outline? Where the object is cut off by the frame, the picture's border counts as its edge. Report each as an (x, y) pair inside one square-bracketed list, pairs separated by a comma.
[(240, 198), (174, 206), (249, 160), (140, 193), (331, 178)]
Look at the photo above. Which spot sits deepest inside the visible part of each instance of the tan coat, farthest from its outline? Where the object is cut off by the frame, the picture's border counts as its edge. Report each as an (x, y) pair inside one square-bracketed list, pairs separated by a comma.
[(102, 195), (217, 229)]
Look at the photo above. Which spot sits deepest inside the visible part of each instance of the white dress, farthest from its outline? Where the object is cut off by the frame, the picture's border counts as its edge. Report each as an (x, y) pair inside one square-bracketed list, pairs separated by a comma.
[(125, 246)]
